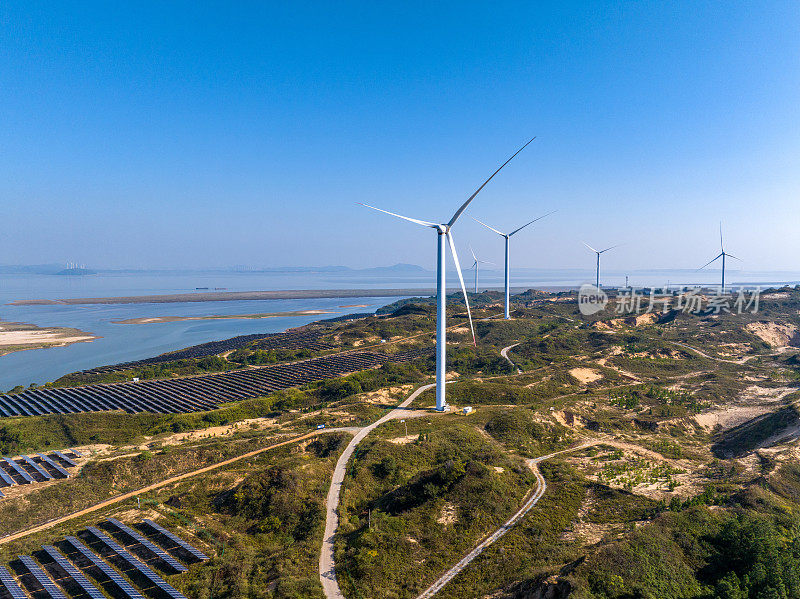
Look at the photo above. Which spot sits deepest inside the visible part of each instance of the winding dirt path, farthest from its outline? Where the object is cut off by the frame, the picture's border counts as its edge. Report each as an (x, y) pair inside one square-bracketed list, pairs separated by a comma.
[(541, 487), (327, 561), (504, 353), (163, 483), (705, 355)]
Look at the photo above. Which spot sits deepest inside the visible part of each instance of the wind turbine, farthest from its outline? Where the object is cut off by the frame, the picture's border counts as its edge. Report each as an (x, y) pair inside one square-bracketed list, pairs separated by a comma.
[(444, 232), (722, 254), (476, 264), (507, 236), (597, 273)]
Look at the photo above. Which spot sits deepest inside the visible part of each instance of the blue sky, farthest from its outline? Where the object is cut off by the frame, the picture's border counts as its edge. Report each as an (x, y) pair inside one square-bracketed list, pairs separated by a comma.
[(209, 134)]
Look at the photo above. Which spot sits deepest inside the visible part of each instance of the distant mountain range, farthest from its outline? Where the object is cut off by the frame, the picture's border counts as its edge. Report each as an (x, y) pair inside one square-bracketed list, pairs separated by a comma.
[(58, 269)]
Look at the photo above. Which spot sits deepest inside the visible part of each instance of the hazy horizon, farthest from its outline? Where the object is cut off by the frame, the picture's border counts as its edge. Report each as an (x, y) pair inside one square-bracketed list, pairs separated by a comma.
[(188, 135)]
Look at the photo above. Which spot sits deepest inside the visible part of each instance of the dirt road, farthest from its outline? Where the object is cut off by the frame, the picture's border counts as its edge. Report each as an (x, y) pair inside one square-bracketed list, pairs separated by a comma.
[(163, 483), (327, 562), (541, 487), (504, 353)]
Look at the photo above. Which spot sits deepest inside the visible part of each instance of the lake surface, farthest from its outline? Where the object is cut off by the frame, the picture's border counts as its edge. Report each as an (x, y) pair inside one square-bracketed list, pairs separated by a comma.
[(125, 342)]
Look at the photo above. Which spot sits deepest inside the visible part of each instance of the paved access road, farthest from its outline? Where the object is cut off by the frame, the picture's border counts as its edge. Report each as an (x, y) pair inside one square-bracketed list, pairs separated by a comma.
[(327, 562)]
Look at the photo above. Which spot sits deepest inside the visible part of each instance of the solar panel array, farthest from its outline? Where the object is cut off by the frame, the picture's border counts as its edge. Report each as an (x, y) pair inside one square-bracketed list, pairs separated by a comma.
[(41, 471), (57, 467), (42, 578), (177, 540), (26, 469), (122, 584), (152, 547), (72, 564), (197, 393), (73, 573), (10, 584), (6, 479), (27, 478), (65, 459), (135, 563), (285, 340)]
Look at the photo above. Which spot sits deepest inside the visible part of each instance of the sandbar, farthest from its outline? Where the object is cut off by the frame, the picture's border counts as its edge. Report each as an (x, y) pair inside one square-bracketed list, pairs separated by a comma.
[(19, 336), (159, 319)]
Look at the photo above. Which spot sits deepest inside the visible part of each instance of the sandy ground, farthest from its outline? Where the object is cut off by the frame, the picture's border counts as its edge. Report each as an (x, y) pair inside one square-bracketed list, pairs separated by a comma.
[(586, 375), (448, 515), (776, 335), (15, 336), (404, 440), (159, 319)]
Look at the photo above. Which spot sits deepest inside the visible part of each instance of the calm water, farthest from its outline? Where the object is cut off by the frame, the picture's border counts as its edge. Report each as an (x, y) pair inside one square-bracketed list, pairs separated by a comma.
[(124, 342)]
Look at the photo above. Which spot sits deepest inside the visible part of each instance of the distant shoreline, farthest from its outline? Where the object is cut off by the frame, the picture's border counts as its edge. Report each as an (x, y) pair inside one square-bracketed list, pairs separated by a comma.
[(227, 296), (159, 319), (21, 336)]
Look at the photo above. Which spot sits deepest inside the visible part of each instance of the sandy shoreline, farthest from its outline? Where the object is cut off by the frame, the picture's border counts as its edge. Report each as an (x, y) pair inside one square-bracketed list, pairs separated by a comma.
[(159, 319), (19, 336)]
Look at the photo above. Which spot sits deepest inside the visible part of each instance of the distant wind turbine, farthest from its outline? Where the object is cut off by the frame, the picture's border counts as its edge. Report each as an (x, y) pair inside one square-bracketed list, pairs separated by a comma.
[(444, 232), (597, 272), (507, 236), (722, 254), (476, 264)]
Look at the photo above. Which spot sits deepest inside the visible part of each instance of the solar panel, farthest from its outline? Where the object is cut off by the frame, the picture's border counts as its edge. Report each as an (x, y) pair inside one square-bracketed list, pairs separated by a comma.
[(112, 574), (43, 579), (68, 461), (173, 563), (37, 467), (6, 478), (56, 467), (76, 452), (25, 476), (2, 494), (74, 573), (177, 540), (11, 585), (147, 572)]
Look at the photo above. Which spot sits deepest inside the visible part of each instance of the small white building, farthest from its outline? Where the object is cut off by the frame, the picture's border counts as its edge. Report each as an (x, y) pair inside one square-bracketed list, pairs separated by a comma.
[(467, 410), (136, 379)]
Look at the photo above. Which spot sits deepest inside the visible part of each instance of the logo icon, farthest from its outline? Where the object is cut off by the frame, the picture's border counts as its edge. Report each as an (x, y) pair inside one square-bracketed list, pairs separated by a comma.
[(591, 299)]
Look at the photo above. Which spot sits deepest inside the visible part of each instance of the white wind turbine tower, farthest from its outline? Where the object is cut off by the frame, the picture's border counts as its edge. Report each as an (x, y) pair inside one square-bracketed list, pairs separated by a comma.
[(722, 254), (597, 272), (476, 264), (444, 232), (507, 237)]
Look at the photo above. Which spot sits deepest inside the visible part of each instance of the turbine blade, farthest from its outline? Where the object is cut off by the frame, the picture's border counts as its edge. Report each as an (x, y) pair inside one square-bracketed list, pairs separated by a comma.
[(734, 257), (472, 197), (471, 251), (709, 262), (424, 223), (461, 280), (487, 226), (487, 262), (530, 223), (611, 248), (590, 247), (721, 248)]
